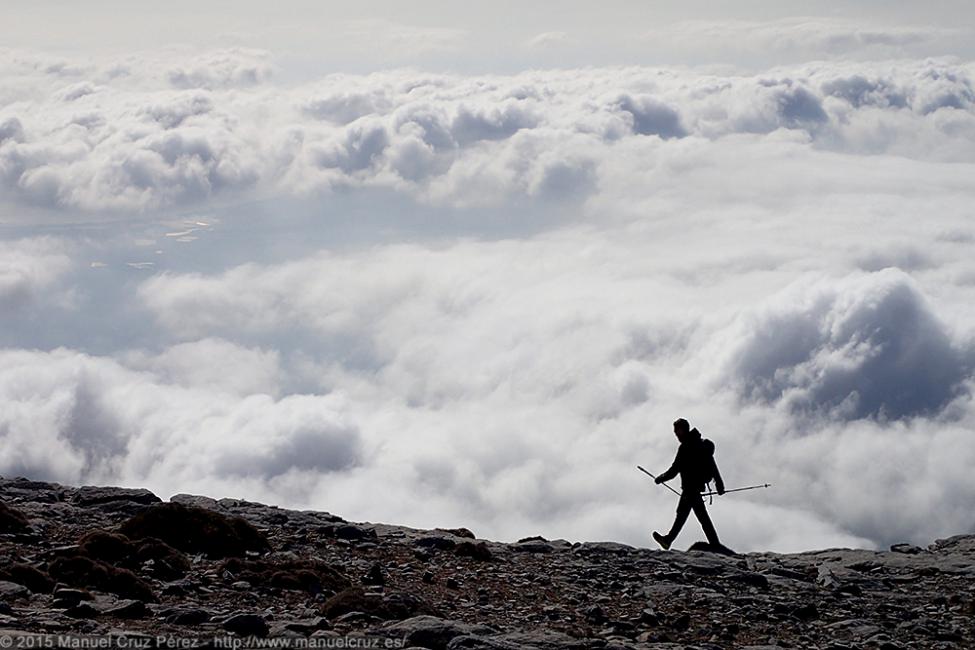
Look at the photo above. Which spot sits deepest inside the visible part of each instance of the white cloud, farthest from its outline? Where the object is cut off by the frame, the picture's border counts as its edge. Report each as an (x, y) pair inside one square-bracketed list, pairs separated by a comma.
[(484, 298), (28, 267), (863, 347), (108, 141), (494, 371), (73, 417)]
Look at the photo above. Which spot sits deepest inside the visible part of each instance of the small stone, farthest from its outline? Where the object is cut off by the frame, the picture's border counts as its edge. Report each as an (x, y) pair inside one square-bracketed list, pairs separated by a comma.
[(595, 614), (806, 613), (374, 576), (82, 610), (131, 609), (193, 616), (246, 625), (649, 617), (64, 597), (308, 626), (750, 579), (354, 533), (682, 622)]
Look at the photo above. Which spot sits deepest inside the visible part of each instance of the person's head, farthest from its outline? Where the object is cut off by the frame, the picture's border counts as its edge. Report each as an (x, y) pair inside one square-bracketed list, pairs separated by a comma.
[(681, 428)]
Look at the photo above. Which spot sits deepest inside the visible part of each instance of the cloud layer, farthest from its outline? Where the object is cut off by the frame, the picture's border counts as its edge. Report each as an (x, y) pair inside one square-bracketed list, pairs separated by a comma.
[(144, 135), (480, 300)]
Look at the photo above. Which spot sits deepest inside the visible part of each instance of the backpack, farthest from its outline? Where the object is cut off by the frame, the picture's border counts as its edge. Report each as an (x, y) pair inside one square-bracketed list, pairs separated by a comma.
[(707, 462)]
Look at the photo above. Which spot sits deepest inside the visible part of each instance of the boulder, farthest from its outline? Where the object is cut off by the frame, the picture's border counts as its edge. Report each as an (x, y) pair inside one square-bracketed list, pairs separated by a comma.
[(89, 495)]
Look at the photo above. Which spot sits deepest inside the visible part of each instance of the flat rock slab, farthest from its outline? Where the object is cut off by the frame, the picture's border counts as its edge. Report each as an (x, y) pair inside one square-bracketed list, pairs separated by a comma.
[(91, 495)]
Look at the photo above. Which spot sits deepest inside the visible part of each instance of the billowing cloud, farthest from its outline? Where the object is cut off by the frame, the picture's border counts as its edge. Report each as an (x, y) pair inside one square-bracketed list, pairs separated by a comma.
[(124, 136), (28, 268), (73, 417), (484, 298), (862, 347)]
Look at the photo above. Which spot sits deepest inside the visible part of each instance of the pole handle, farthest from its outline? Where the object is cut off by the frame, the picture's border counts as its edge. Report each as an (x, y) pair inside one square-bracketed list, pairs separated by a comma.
[(655, 478)]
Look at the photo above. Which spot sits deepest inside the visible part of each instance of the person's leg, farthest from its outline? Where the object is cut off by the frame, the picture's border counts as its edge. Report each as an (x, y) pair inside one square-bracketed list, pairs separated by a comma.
[(683, 509), (702, 516)]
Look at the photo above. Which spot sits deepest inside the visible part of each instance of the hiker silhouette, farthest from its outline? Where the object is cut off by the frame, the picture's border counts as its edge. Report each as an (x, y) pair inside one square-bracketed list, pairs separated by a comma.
[(695, 464)]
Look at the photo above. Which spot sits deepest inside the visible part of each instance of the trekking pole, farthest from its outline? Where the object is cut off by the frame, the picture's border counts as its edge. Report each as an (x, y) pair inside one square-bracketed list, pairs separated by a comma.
[(750, 487), (655, 478)]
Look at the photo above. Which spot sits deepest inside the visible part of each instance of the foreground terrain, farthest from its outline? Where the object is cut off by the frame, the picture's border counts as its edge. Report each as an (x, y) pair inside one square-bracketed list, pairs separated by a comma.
[(116, 565)]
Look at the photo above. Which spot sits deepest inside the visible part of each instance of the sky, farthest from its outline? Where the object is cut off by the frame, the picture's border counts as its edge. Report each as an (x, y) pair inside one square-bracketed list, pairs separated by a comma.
[(443, 264)]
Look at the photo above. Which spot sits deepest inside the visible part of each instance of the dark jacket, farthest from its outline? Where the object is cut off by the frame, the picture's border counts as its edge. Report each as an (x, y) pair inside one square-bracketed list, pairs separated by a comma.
[(695, 464)]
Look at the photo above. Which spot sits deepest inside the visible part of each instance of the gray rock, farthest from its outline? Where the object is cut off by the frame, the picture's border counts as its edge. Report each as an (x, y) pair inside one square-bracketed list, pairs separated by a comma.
[(82, 610), (485, 643), (354, 533), (603, 548), (195, 500), (65, 597), (533, 546), (908, 549), (432, 632), (750, 579), (130, 609), (13, 590), (543, 639), (307, 626), (92, 495), (190, 616)]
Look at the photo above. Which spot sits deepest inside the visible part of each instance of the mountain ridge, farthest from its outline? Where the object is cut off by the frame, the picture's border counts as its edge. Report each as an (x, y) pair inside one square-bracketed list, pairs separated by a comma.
[(122, 564)]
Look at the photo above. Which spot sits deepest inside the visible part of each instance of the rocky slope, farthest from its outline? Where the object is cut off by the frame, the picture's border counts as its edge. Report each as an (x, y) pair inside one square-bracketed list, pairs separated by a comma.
[(119, 564)]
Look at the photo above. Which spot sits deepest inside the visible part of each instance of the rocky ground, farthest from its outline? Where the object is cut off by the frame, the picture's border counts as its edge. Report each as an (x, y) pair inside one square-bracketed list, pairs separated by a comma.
[(118, 564)]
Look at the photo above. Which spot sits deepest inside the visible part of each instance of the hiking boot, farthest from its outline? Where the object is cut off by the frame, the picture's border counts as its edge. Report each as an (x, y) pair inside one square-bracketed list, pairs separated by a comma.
[(663, 540)]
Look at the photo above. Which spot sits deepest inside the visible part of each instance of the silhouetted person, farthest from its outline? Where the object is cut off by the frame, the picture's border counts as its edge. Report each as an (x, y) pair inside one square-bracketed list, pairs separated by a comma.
[(695, 464)]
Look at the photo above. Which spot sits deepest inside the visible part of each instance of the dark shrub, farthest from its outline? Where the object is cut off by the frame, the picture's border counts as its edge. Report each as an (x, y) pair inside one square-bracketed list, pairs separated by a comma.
[(105, 546), (313, 576), (167, 562), (32, 578), (196, 530), (80, 571), (12, 520), (475, 550), (388, 606)]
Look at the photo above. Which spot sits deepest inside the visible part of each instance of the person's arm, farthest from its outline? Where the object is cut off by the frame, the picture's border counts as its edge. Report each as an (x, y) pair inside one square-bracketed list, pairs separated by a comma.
[(672, 472), (718, 482)]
